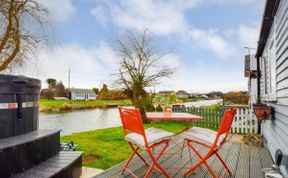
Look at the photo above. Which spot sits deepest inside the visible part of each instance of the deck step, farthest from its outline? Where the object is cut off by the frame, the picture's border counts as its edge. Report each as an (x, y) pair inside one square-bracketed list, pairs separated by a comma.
[(26, 138), (66, 164), (22, 152)]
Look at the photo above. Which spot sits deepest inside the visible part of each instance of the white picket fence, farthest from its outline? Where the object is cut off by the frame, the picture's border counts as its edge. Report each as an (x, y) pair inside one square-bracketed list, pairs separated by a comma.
[(245, 121)]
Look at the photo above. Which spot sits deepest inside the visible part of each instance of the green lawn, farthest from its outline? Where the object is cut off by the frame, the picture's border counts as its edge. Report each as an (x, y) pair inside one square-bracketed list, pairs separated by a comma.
[(55, 105), (106, 147), (214, 106)]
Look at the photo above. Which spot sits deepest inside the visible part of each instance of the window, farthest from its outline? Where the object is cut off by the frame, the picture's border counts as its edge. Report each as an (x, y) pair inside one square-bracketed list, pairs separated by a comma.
[(269, 72)]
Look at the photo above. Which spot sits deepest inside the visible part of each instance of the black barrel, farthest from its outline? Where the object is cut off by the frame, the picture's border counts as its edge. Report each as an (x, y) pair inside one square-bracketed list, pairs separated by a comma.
[(19, 97)]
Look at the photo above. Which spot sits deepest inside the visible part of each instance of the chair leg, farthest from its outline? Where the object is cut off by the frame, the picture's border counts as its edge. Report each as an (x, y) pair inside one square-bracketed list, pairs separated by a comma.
[(224, 164), (155, 164), (130, 158), (190, 156), (138, 154), (135, 151), (202, 160), (182, 148)]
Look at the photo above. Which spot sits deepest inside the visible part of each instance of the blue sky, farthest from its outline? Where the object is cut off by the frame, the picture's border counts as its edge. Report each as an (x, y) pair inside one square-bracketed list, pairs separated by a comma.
[(205, 39)]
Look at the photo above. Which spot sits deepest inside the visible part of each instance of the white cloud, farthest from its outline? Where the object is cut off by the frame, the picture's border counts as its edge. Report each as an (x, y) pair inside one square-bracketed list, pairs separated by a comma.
[(162, 17), (170, 60), (235, 1), (195, 79), (61, 10), (105, 54), (248, 35), (210, 40), (100, 13), (90, 67)]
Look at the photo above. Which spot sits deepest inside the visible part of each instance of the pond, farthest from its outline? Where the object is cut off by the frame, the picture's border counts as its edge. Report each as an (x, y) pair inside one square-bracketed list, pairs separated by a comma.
[(80, 121), (85, 120)]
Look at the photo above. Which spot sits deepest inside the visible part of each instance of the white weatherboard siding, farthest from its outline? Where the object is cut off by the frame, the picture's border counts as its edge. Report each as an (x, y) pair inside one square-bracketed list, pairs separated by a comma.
[(275, 79)]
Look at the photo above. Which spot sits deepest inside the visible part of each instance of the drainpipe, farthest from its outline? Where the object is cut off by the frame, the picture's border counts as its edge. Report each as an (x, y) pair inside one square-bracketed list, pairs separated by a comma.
[(258, 90), (258, 81)]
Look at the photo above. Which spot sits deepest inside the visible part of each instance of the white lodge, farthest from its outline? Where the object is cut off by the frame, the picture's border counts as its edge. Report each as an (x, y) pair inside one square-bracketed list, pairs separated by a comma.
[(82, 94)]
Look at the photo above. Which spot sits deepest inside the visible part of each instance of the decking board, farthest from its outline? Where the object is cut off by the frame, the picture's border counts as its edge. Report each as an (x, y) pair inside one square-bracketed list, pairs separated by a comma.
[(244, 161)]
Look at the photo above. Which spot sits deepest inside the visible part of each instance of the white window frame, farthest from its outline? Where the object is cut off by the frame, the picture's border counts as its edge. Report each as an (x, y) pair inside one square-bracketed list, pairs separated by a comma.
[(270, 71)]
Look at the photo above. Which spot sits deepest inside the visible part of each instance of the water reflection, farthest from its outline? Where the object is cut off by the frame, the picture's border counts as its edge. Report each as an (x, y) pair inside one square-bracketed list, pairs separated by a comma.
[(80, 121)]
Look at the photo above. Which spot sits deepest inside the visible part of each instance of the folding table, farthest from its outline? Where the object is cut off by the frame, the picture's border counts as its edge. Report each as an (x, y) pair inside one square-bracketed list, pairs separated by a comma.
[(172, 116)]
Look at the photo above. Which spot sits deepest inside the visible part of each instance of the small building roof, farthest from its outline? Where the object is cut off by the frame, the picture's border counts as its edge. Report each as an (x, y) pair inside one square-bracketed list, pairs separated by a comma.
[(81, 90), (182, 92), (168, 91)]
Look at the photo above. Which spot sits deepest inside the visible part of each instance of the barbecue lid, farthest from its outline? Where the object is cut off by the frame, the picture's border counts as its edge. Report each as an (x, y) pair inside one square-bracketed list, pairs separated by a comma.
[(18, 84)]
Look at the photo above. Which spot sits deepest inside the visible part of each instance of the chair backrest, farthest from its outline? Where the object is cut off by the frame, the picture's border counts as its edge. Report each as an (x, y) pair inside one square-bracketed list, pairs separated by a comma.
[(131, 120), (225, 125)]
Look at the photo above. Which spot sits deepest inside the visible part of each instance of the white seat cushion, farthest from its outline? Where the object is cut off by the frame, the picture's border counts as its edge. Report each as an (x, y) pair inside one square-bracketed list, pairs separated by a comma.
[(203, 135), (153, 136)]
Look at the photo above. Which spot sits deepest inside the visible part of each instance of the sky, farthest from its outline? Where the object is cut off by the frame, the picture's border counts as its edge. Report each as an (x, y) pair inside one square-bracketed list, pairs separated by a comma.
[(205, 40)]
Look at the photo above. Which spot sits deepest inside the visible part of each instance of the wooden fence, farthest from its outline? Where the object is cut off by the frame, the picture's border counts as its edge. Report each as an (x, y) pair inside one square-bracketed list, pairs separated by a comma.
[(244, 122)]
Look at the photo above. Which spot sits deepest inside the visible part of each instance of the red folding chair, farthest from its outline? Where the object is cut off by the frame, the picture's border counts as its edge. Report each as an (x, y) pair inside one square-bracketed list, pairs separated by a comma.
[(211, 140), (148, 139)]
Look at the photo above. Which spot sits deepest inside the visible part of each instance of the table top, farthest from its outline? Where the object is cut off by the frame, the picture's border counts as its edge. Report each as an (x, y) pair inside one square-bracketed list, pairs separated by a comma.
[(172, 116)]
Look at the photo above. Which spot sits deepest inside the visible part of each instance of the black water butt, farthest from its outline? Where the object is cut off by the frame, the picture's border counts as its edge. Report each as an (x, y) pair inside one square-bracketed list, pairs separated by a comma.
[(19, 97)]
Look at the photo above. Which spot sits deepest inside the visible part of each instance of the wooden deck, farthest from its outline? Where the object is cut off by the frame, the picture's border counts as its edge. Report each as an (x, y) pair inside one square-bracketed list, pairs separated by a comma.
[(244, 161)]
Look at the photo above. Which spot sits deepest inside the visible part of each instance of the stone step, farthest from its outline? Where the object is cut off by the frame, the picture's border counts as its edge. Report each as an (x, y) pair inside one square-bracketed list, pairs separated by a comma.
[(22, 152), (66, 164)]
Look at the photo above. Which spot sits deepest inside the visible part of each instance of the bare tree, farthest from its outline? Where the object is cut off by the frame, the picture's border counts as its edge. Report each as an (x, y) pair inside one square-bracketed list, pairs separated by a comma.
[(19, 36), (139, 67)]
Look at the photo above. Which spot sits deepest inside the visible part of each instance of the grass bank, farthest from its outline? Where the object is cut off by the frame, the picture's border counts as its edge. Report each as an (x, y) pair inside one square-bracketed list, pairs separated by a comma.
[(69, 105), (106, 147)]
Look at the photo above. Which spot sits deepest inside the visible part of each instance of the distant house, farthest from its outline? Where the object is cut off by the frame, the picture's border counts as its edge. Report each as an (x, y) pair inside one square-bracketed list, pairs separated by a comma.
[(182, 94), (82, 94), (203, 97), (165, 93)]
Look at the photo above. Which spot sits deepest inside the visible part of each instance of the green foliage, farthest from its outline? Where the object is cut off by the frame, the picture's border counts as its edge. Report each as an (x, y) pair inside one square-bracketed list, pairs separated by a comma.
[(60, 90), (116, 95), (51, 82), (104, 92), (235, 97), (171, 98), (96, 90)]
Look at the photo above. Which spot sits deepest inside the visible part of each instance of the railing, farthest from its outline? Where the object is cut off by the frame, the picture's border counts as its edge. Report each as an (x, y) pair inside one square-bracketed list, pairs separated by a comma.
[(211, 117), (244, 122)]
